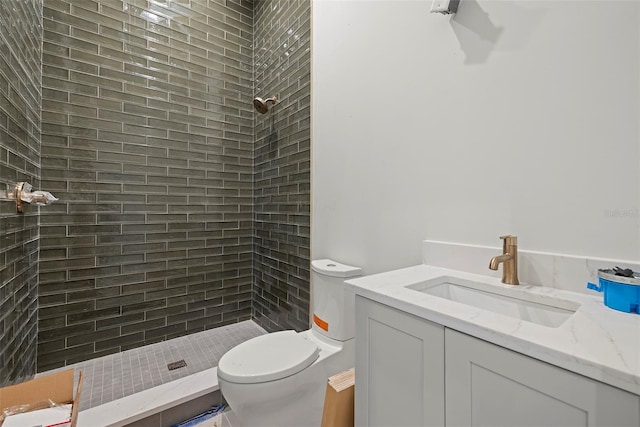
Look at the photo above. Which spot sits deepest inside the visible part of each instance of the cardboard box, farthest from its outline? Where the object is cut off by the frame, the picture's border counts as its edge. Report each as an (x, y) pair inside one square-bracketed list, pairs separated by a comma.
[(37, 393), (338, 400)]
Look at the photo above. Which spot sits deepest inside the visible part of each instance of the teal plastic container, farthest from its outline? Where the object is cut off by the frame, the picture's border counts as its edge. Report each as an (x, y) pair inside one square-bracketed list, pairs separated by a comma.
[(620, 293)]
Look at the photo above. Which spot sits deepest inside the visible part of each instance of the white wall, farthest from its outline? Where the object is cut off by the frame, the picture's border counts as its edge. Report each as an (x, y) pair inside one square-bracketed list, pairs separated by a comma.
[(510, 117)]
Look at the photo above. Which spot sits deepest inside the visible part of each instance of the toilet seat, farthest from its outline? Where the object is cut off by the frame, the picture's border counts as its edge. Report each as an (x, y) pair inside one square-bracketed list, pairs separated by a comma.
[(268, 357)]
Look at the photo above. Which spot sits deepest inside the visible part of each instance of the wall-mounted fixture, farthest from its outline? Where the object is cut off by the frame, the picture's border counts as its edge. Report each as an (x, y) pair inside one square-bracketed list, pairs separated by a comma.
[(21, 193), (262, 105), (446, 7)]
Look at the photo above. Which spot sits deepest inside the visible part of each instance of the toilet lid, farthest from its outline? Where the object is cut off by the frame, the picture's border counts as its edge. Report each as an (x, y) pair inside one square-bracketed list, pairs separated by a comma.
[(267, 358)]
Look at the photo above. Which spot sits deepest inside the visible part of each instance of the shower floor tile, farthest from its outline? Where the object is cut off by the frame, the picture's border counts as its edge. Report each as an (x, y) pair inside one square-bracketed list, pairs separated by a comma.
[(118, 375)]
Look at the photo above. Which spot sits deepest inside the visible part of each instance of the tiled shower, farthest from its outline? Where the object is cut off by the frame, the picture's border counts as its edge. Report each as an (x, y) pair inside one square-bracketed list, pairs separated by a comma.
[(181, 208), (282, 165), (20, 102)]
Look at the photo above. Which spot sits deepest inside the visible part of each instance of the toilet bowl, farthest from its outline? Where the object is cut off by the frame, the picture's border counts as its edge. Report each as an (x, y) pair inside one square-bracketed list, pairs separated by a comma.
[(279, 379)]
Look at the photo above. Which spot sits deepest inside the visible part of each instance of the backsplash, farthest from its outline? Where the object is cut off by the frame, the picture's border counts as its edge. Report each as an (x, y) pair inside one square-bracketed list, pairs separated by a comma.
[(282, 165), (20, 101), (567, 272), (148, 143)]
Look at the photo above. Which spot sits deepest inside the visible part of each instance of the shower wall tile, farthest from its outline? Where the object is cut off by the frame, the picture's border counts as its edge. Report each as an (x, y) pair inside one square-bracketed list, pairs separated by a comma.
[(282, 165), (147, 136), (20, 101)]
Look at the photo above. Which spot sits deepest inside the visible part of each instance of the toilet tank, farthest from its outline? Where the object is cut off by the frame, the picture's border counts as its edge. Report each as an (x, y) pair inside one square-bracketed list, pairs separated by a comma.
[(333, 308)]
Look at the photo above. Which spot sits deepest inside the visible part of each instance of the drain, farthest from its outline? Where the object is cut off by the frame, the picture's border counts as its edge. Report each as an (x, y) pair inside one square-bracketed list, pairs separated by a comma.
[(176, 365)]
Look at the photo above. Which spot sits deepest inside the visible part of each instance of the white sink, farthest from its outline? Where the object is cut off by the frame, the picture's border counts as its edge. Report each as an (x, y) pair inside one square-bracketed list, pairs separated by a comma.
[(539, 309)]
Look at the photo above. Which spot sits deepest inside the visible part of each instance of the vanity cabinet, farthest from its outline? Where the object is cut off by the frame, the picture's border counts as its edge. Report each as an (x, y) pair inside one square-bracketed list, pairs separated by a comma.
[(399, 368), (488, 385), (413, 372)]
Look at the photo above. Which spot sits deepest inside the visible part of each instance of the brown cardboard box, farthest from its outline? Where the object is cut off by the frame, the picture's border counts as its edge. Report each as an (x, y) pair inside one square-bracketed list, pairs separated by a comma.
[(37, 393), (338, 400)]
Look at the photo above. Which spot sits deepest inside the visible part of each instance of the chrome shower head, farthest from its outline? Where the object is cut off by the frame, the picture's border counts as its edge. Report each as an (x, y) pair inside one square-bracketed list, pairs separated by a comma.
[(262, 105)]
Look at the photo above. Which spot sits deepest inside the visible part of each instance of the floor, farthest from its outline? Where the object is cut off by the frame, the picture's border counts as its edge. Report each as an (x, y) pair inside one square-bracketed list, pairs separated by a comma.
[(118, 375)]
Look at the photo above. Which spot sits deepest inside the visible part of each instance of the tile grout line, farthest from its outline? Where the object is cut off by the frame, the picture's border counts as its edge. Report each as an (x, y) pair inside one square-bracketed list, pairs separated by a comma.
[(122, 374)]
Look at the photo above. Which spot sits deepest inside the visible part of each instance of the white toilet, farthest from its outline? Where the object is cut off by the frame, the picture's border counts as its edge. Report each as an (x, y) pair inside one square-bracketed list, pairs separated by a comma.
[(279, 379)]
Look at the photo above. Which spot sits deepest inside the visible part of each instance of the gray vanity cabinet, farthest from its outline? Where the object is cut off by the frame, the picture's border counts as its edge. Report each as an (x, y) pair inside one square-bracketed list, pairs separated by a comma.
[(412, 372), (399, 368)]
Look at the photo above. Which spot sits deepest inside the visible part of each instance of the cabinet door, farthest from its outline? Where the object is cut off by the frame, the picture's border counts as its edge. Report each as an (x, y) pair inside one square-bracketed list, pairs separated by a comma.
[(488, 385), (399, 368)]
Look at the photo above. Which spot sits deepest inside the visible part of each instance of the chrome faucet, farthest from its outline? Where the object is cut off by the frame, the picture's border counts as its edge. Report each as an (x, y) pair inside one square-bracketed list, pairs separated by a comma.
[(509, 260)]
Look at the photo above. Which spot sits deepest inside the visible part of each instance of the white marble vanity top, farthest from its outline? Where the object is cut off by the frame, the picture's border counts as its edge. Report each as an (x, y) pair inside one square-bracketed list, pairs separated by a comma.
[(596, 341)]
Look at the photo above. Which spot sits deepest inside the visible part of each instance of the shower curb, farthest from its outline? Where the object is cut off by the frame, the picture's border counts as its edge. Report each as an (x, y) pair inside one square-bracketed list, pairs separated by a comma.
[(153, 401)]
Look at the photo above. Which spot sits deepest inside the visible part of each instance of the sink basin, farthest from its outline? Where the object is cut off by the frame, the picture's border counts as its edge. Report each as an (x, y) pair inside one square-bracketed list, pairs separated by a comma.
[(540, 309)]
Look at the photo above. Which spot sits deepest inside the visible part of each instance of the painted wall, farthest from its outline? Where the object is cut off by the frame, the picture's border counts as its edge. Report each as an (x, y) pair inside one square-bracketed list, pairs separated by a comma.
[(514, 117), (20, 102)]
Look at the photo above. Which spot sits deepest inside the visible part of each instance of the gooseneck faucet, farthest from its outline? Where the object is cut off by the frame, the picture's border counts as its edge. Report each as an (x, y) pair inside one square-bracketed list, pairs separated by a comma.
[(509, 260)]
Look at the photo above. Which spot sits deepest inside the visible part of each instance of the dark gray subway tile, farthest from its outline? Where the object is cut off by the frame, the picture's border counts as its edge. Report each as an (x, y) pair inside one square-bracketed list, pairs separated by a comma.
[(119, 341), (145, 208), (91, 60), (177, 187), (277, 172), (57, 27), (62, 16), (116, 55), (20, 142), (119, 280), (70, 42), (120, 96), (120, 239), (145, 247), (66, 107), (88, 11)]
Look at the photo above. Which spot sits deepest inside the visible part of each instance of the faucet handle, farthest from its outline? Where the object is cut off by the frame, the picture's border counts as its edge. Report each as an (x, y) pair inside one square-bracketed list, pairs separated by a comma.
[(510, 239)]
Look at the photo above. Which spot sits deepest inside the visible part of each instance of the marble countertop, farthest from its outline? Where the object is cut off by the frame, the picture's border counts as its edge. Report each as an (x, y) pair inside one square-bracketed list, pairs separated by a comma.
[(596, 341)]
